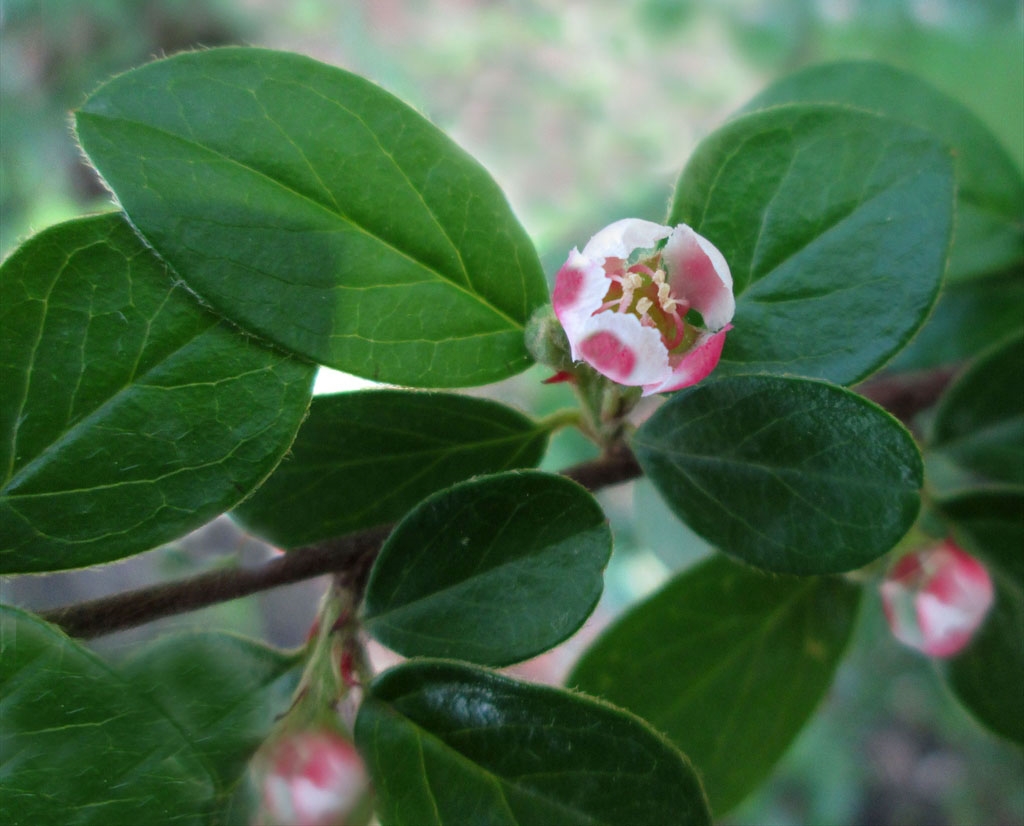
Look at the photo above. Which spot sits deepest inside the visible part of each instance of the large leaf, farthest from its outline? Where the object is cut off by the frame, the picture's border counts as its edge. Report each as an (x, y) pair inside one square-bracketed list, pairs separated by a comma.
[(728, 663), (989, 234), (494, 570), (313, 208), (364, 459), (791, 475), (987, 677), (223, 691), (129, 415), (978, 431), (450, 744), (80, 746), (835, 224)]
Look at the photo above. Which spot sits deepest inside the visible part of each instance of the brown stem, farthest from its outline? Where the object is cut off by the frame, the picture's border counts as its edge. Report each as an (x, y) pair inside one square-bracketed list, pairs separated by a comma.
[(904, 396), (349, 554)]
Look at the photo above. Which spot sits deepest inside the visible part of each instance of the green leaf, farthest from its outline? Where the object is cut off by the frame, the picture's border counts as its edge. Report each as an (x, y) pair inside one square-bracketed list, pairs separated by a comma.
[(989, 234), (728, 663), (130, 415), (970, 317), (988, 675), (313, 208), (494, 570), (364, 459), (978, 430), (81, 746), (450, 744), (835, 224), (787, 474), (989, 522), (223, 691)]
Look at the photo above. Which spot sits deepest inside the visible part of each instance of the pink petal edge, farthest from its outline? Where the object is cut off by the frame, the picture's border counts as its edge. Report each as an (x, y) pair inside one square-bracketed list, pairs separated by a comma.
[(695, 366), (700, 275)]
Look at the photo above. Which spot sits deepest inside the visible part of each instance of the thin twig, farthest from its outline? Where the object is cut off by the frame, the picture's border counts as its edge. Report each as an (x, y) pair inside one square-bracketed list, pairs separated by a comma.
[(904, 396), (350, 553)]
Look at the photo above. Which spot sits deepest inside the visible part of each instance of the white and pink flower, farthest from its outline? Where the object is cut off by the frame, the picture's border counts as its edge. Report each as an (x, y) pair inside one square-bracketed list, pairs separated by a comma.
[(936, 599), (311, 778), (623, 303)]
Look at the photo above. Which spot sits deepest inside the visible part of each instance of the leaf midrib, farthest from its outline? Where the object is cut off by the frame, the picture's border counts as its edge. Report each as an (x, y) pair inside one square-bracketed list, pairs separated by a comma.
[(477, 297)]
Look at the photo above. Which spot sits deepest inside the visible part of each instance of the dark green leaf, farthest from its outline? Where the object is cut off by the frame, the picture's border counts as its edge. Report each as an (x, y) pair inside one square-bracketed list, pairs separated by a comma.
[(364, 459), (978, 430), (311, 207), (835, 224), (130, 415), (729, 663), (989, 234), (450, 744), (791, 475), (987, 677), (991, 523), (970, 317), (224, 692), (494, 570), (81, 746)]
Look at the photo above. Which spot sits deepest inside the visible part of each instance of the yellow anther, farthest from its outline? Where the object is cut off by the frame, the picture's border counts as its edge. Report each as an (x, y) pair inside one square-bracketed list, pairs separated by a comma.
[(643, 305)]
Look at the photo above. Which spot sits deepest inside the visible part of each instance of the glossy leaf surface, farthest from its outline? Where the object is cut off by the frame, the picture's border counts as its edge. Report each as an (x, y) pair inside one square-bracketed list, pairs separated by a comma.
[(978, 430), (729, 663), (223, 691), (790, 475), (130, 415), (835, 224), (989, 233), (82, 746), (494, 570), (987, 677), (317, 210), (451, 744), (364, 459)]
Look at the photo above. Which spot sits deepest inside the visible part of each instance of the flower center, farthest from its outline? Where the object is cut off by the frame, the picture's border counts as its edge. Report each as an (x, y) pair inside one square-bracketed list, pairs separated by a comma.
[(644, 293)]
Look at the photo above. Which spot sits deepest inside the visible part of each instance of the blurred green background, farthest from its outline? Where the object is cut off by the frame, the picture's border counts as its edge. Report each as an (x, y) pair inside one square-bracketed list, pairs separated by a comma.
[(584, 112)]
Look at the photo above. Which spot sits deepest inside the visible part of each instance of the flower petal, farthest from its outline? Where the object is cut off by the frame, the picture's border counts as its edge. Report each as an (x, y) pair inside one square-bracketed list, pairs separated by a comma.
[(618, 240), (580, 287), (695, 366), (936, 599), (699, 274), (620, 347)]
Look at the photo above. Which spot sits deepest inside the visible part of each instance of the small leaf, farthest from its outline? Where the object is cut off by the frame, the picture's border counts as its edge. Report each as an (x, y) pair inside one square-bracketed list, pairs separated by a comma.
[(80, 745), (989, 233), (987, 677), (364, 459), (313, 208), (979, 424), (223, 691), (130, 415), (494, 570), (450, 744), (835, 224), (728, 663), (787, 474)]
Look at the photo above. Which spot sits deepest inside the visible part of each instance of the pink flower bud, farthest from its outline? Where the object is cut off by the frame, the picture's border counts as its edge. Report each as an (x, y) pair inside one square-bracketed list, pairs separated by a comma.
[(623, 304), (936, 599), (311, 778)]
